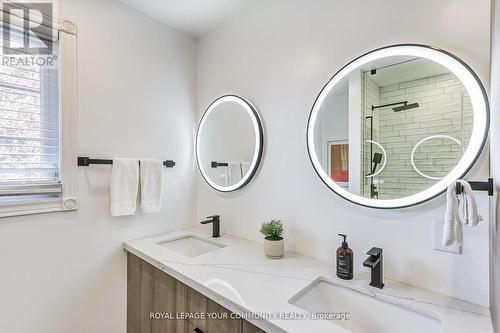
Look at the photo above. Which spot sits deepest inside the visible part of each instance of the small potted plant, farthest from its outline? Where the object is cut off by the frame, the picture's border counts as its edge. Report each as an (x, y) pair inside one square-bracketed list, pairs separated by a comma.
[(274, 245)]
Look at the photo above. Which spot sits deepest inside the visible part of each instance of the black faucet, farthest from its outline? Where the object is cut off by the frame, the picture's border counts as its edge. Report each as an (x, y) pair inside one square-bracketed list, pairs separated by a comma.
[(376, 264), (216, 225)]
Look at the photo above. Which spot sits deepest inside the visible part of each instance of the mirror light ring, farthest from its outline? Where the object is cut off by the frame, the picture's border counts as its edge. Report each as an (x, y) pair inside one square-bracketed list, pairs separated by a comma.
[(259, 141), (385, 159), (440, 136), (480, 106)]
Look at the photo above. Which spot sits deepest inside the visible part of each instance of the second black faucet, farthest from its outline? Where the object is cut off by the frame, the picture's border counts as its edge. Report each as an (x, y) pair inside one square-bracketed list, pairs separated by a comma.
[(215, 220), (376, 264)]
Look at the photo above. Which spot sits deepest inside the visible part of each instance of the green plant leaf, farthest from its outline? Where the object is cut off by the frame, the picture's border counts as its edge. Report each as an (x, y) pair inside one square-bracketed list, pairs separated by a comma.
[(272, 230)]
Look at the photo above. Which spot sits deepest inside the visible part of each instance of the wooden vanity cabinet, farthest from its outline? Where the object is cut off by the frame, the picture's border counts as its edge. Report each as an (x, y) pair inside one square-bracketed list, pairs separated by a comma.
[(158, 303), (249, 328)]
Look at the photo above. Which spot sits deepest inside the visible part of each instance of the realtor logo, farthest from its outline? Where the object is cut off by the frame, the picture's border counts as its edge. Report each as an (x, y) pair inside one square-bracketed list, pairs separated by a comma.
[(27, 28)]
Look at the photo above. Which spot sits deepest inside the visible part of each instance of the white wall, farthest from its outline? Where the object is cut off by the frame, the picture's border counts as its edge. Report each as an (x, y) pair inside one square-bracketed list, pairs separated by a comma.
[(495, 164), (66, 272), (279, 54)]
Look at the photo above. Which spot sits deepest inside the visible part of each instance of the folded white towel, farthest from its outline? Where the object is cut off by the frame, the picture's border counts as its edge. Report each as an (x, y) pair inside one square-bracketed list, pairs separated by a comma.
[(151, 185), (467, 207), (123, 186), (460, 209), (451, 228), (245, 167), (234, 172), (225, 179)]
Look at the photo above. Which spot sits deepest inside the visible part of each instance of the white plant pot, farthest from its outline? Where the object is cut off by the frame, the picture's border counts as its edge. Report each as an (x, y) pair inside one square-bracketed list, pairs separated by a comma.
[(274, 249)]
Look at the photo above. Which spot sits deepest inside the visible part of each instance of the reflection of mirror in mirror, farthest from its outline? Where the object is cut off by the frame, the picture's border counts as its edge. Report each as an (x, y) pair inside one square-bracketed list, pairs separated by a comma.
[(393, 127), (228, 143)]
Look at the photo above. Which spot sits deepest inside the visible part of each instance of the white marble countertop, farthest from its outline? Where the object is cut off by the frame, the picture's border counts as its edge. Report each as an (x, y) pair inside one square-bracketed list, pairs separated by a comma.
[(240, 278)]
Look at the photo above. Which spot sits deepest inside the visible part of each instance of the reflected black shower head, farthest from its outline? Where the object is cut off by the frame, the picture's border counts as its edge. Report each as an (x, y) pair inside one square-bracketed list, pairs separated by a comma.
[(377, 158), (406, 107), (403, 107)]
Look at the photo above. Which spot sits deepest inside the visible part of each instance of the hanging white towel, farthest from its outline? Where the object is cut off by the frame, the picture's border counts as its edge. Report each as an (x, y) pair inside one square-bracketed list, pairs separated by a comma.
[(124, 184), (151, 185), (452, 230), (234, 172), (467, 207), (245, 167), (460, 209), (225, 179)]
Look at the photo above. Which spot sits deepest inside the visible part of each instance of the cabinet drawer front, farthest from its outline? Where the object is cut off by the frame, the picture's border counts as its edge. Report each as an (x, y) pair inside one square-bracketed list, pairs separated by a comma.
[(152, 292), (153, 298), (249, 328), (197, 306), (221, 322)]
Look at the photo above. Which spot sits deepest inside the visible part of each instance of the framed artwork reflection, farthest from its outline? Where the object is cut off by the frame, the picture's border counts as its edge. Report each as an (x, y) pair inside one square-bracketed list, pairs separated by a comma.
[(338, 162)]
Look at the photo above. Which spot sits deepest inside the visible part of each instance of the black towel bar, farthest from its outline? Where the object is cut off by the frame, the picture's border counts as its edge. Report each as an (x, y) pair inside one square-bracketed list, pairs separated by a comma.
[(219, 164), (477, 186), (86, 161)]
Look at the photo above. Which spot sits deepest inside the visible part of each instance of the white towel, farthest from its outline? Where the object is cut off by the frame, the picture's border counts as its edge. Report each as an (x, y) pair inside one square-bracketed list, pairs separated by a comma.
[(460, 209), (452, 230), (151, 185), (225, 179), (234, 172), (245, 167), (123, 186), (467, 207)]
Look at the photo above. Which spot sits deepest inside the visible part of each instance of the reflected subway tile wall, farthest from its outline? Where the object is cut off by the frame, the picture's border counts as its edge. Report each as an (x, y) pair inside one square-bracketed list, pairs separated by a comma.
[(445, 108)]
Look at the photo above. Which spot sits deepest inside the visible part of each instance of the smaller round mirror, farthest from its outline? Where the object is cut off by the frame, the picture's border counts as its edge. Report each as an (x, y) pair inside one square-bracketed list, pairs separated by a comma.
[(229, 143)]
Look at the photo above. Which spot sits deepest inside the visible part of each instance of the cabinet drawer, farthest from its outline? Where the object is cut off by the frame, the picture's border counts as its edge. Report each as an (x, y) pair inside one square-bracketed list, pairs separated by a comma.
[(151, 291), (153, 297), (222, 323), (190, 328), (196, 305), (249, 328)]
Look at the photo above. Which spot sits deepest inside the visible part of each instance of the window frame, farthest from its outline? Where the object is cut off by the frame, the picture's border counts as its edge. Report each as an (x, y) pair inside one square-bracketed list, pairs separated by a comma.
[(17, 205)]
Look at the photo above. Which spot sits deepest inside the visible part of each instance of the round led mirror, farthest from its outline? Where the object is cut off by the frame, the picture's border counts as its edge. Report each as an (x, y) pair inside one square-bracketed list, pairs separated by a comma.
[(229, 143), (396, 126)]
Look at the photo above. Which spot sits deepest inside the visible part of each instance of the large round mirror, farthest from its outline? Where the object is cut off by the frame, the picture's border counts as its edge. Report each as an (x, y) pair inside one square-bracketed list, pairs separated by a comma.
[(395, 127), (229, 143)]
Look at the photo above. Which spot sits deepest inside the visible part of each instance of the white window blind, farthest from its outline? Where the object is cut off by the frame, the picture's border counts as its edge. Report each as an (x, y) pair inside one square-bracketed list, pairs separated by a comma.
[(29, 122)]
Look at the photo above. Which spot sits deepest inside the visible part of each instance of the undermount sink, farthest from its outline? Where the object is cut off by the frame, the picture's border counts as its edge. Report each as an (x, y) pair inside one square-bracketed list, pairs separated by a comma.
[(368, 314), (190, 245)]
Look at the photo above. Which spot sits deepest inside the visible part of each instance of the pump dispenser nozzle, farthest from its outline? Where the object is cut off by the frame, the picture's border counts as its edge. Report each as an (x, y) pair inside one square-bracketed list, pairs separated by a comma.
[(344, 243)]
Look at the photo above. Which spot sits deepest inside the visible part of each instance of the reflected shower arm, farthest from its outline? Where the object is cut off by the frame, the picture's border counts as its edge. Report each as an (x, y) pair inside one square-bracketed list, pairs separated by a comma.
[(387, 105)]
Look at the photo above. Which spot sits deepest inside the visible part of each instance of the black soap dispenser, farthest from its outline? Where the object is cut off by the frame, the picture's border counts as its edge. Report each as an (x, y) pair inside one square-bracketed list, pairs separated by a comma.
[(344, 261)]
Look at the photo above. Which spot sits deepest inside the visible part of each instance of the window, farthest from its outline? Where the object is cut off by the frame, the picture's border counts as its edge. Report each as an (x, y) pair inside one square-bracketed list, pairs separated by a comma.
[(37, 122), (29, 129)]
